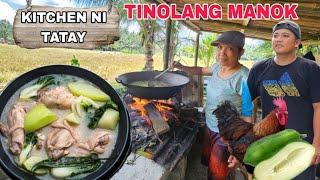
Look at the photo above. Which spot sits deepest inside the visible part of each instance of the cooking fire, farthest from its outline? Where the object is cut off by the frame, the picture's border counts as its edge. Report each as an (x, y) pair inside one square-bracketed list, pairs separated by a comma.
[(162, 129)]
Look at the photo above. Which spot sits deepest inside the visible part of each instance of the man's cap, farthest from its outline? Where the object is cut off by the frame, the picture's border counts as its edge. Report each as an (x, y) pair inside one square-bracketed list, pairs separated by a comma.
[(234, 38), (290, 25)]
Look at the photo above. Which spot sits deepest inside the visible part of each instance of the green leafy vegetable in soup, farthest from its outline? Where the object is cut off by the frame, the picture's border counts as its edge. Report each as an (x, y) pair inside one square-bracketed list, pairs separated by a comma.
[(106, 116), (31, 140), (31, 91), (70, 166)]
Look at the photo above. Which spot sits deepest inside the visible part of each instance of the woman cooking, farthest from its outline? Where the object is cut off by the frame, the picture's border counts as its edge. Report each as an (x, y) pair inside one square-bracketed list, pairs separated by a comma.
[(227, 82)]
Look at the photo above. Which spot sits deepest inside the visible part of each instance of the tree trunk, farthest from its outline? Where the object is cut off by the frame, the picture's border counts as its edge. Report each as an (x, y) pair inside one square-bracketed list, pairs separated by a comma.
[(174, 40), (148, 45)]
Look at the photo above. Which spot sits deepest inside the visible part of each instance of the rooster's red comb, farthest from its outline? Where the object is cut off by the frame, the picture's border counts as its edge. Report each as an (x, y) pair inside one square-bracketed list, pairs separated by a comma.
[(280, 103)]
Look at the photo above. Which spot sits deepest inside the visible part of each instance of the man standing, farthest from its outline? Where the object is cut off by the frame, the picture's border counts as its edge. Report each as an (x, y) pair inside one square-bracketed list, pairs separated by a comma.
[(295, 79)]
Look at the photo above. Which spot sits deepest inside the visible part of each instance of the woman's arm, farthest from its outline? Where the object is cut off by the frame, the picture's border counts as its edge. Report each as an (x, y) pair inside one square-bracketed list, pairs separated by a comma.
[(204, 71), (247, 119)]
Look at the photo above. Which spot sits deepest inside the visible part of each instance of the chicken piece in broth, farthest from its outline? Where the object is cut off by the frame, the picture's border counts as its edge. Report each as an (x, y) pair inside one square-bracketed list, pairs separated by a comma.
[(57, 97), (16, 131), (97, 142), (60, 139)]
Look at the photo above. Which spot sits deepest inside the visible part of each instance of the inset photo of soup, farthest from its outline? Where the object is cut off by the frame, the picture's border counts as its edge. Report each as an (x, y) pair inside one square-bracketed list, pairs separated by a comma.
[(62, 122)]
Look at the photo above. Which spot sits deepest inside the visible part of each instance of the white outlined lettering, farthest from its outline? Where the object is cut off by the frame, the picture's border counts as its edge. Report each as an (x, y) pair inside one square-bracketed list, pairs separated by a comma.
[(99, 17), (63, 36), (54, 17)]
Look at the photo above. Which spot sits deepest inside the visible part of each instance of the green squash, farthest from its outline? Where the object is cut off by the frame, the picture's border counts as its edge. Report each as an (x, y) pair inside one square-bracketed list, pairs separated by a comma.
[(266, 147), (84, 89), (38, 117), (289, 162), (109, 119)]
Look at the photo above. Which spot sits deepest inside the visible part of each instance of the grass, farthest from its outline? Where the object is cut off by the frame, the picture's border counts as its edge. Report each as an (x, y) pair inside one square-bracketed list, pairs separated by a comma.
[(16, 61)]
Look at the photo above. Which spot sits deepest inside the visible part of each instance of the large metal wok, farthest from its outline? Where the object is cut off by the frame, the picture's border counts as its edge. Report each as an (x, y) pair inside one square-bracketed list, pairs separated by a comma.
[(175, 82)]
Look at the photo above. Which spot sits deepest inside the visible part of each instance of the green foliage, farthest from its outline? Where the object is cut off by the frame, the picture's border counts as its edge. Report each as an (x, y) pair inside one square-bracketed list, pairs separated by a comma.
[(314, 48), (206, 51), (75, 61), (6, 31), (258, 51), (129, 42), (187, 51), (147, 27)]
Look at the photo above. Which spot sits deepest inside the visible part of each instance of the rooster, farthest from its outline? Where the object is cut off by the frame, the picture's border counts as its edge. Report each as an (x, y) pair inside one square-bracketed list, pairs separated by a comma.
[(239, 134)]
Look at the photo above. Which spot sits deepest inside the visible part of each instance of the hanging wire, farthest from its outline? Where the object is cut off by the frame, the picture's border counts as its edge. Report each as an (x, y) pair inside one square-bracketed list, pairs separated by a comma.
[(28, 7), (110, 4)]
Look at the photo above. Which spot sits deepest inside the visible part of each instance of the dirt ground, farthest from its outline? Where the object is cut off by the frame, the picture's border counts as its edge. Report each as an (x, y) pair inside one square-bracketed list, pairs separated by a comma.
[(195, 170)]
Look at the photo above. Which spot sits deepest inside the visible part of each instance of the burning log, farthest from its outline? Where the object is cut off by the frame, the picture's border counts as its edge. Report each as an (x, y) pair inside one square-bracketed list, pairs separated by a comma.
[(158, 123), (168, 148), (172, 103)]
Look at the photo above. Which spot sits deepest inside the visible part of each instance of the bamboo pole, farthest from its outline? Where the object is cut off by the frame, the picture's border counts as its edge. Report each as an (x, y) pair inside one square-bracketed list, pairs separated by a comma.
[(167, 44), (196, 50)]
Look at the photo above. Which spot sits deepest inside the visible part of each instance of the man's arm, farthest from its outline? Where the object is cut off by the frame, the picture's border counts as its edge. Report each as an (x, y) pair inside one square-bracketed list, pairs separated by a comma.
[(316, 131)]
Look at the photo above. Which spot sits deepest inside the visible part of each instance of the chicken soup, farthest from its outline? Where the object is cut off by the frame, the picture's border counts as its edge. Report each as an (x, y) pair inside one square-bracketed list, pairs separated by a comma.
[(59, 126)]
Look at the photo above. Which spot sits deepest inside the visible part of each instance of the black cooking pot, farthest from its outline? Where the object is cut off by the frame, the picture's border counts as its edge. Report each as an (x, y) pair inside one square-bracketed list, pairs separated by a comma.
[(122, 146), (175, 82)]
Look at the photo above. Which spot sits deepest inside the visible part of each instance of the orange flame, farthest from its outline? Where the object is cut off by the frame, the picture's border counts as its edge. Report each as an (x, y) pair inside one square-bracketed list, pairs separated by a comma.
[(138, 105), (163, 110)]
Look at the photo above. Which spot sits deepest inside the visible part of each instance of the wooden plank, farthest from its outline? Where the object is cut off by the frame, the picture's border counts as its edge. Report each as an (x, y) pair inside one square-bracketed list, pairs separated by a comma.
[(254, 32), (305, 23), (28, 35), (219, 27), (192, 93), (158, 123), (308, 12)]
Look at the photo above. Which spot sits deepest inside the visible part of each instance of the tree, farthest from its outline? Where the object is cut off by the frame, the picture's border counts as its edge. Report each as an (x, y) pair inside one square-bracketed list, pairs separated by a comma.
[(206, 50), (174, 39), (147, 27), (147, 32), (5, 31), (258, 51), (130, 42)]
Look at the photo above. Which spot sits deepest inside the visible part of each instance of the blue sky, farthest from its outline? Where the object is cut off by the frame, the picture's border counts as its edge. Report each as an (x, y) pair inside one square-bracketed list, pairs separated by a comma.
[(8, 7)]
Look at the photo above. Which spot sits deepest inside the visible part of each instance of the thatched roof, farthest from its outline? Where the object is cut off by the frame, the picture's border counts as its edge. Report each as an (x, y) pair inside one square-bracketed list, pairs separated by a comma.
[(308, 12)]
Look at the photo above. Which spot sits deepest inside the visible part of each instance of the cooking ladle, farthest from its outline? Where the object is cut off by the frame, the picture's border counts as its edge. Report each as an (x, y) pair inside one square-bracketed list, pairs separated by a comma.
[(152, 82)]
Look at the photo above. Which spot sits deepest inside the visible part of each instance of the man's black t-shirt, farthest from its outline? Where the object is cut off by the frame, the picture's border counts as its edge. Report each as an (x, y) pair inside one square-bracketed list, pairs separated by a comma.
[(299, 84)]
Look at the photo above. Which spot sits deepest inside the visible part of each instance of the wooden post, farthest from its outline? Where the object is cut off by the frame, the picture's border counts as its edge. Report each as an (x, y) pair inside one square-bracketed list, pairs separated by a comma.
[(167, 44), (196, 50)]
